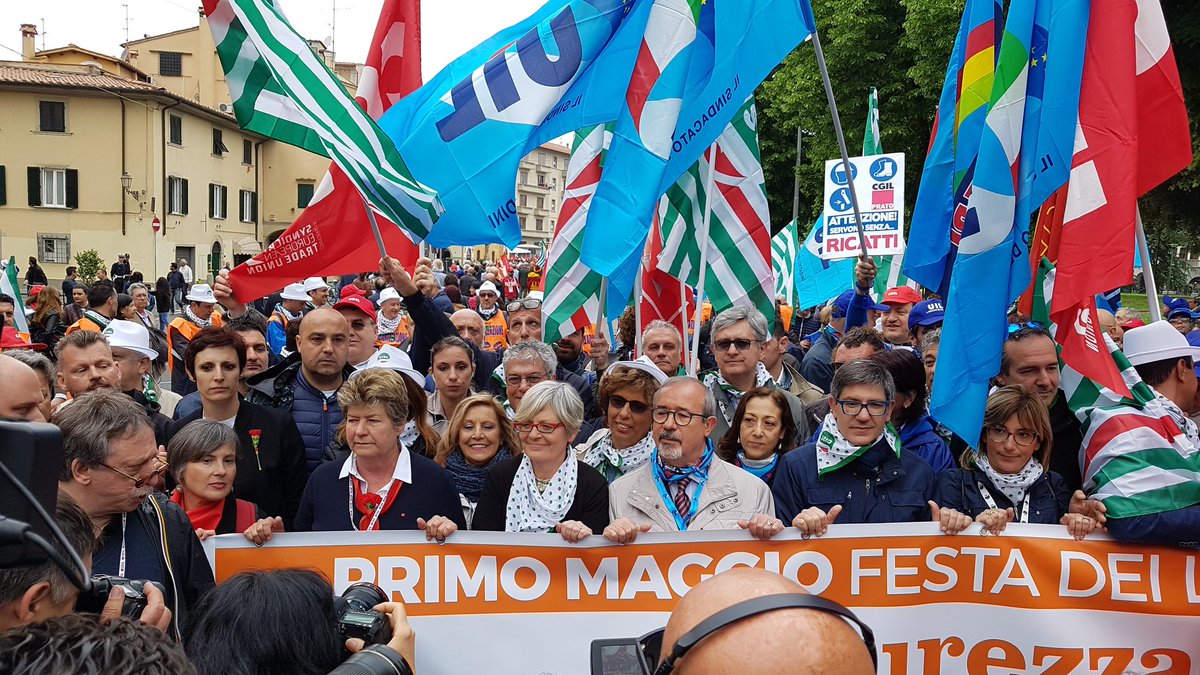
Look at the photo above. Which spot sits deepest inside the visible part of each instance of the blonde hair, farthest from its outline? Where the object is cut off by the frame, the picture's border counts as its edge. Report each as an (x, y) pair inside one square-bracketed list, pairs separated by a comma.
[(449, 442), (375, 386), (1030, 412)]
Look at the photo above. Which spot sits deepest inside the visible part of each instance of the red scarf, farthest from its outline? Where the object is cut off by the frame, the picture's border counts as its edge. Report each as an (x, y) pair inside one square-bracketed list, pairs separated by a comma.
[(369, 502), (205, 517)]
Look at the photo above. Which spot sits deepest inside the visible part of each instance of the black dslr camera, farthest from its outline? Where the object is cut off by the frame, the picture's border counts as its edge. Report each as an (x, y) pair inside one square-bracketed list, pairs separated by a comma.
[(357, 619), (93, 599)]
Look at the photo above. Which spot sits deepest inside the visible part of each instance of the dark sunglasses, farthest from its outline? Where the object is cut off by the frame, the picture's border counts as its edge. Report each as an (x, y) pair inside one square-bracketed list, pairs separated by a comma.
[(636, 407)]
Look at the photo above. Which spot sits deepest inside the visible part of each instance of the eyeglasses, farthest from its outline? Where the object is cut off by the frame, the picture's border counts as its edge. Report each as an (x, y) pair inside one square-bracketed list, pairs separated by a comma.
[(527, 303), (543, 428), (139, 482), (874, 408), (516, 380), (636, 407), (1023, 438), (682, 417), (740, 345)]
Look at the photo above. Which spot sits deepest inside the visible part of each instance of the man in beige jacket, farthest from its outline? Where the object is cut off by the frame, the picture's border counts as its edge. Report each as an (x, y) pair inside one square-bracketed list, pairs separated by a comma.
[(685, 486)]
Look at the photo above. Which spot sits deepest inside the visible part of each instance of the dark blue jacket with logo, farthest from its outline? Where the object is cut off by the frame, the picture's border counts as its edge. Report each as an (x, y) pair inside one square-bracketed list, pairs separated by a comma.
[(877, 487)]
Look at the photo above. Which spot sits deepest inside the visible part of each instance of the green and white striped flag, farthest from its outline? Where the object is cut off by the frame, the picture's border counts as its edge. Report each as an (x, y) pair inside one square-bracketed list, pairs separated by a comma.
[(1139, 455), (280, 89), (572, 299), (888, 274), (10, 285), (739, 237), (785, 246)]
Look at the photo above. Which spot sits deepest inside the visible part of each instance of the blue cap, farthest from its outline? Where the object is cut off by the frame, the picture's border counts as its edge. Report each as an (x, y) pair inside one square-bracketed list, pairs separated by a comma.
[(841, 304), (927, 313)]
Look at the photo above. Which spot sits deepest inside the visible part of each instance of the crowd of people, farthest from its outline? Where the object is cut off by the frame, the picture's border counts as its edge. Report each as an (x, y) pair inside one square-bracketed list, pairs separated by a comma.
[(429, 401)]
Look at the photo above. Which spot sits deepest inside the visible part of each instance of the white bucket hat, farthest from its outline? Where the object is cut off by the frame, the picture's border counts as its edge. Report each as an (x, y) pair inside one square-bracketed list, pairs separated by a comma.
[(488, 287), (294, 292), (644, 364), (1157, 341), (388, 293), (201, 293), (313, 283), (391, 358), (129, 335)]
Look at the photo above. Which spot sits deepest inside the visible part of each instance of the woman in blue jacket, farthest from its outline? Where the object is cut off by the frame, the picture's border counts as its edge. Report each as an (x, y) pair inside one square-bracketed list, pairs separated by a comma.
[(1007, 480)]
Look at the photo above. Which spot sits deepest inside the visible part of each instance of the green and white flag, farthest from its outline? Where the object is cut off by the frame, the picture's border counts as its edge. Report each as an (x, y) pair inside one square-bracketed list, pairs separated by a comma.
[(1139, 455), (11, 286), (739, 237), (785, 246), (280, 89), (888, 274), (572, 289)]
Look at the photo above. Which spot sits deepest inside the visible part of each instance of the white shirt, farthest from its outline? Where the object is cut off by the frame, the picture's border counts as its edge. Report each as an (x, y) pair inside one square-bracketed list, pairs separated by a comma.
[(186, 271), (402, 472)]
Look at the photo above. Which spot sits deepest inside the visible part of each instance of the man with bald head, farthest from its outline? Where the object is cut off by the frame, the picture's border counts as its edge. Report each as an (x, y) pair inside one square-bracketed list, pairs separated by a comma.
[(469, 325), (21, 396), (306, 382), (793, 640)]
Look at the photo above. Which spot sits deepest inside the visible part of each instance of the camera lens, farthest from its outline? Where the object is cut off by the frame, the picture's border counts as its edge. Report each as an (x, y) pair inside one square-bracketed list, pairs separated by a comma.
[(363, 596)]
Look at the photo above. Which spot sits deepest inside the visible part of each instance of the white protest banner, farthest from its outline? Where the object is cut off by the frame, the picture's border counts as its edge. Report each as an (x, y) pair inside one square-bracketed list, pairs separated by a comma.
[(879, 184), (1030, 601)]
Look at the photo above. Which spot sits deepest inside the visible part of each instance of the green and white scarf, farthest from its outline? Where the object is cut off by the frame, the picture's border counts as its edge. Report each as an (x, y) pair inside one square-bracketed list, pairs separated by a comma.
[(729, 402), (835, 452)]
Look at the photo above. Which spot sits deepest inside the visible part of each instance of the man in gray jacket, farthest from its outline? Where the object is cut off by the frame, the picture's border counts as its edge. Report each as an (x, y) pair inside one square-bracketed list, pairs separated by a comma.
[(685, 486)]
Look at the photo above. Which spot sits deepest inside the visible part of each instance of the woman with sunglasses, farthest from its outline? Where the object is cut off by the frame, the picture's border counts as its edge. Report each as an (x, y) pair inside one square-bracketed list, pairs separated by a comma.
[(479, 436), (1007, 479), (625, 443), (762, 432), (546, 489), (202, 458)]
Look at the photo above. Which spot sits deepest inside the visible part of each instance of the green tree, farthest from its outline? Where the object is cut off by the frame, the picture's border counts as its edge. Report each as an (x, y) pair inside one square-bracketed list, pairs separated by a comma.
[(89, 263)]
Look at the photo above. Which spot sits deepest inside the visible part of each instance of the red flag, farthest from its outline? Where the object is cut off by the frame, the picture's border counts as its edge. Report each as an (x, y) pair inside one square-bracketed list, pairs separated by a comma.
[(1132, 135), (1046, 235), (333, 234), (662, 294)]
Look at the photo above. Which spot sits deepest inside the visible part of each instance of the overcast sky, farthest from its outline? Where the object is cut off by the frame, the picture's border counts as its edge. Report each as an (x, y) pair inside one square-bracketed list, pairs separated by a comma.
[(449, 27)]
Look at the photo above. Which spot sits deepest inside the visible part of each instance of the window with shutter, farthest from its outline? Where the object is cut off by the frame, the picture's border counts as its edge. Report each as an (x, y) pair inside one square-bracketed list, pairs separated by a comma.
[(3, 187), (52, 116), (218, 201), (176, 133), (304, 194), (48, 187), (34, 175), (72, 185), (219, 148), (247, 152)]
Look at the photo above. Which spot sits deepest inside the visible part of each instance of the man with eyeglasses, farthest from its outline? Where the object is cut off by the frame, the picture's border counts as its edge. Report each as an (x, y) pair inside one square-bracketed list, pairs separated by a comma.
[(109, 463), (738, 336), (856, 469), (685, 486), (525, 364), (359, 313), (1030, 358)]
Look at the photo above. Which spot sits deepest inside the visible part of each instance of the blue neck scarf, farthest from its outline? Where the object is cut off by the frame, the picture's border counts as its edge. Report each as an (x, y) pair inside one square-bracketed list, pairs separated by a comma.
[(698, 473)]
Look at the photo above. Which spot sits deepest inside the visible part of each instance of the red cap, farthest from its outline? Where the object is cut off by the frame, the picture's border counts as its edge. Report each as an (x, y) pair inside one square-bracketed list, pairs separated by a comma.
[(356, 301), (11, 339), (34, 290), (901, 295), (1133, 323)]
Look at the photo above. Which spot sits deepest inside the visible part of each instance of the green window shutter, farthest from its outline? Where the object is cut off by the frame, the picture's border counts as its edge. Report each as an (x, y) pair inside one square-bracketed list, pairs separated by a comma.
[(3, 187), (72, 188), (304, 194), (185, 195), (254, 207), (35, 185)]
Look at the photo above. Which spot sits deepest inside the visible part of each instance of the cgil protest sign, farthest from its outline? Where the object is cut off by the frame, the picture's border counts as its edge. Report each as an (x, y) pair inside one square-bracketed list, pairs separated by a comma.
[(1032, 600), (879, 184)]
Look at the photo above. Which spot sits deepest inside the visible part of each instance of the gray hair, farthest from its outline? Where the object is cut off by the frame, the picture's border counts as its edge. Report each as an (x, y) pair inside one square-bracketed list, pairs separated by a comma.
[(437, 265), (931, 339), (865, 372), (92, 422), (39, 362), (139, 286), (758, 323), (560, 398), (659, 324), (710, 401), (532, 350), (196, 440)]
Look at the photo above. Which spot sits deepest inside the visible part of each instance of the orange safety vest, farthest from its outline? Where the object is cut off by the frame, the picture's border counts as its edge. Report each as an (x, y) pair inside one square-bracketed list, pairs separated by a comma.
[(188, 330), (495, 332), (84, 324)]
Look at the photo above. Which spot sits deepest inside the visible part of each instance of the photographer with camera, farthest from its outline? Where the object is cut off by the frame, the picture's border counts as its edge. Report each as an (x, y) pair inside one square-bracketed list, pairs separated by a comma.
[(288, 621), (109, 459)]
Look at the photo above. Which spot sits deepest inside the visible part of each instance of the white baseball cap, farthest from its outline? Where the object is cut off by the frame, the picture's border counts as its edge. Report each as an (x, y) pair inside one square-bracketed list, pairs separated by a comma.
[(488, 287), (129, 335), (294, 292), (388, 293), (644, 364), (313, 283), (1157, 341), (391, 358), (201, 293)]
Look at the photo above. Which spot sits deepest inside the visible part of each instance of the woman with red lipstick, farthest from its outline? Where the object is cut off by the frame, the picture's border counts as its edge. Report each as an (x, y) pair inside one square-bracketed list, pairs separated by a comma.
[(270, 453), (202, 458)]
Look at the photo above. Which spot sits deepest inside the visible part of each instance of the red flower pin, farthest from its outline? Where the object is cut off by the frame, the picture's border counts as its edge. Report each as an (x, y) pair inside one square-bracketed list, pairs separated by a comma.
[(255, 437)]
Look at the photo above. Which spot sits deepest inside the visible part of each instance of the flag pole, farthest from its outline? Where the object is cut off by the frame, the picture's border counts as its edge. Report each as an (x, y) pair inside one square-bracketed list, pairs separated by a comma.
[(841, 139), (603, 316), (796, 177), (1148, 271), (694, 364), (375, 229)]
